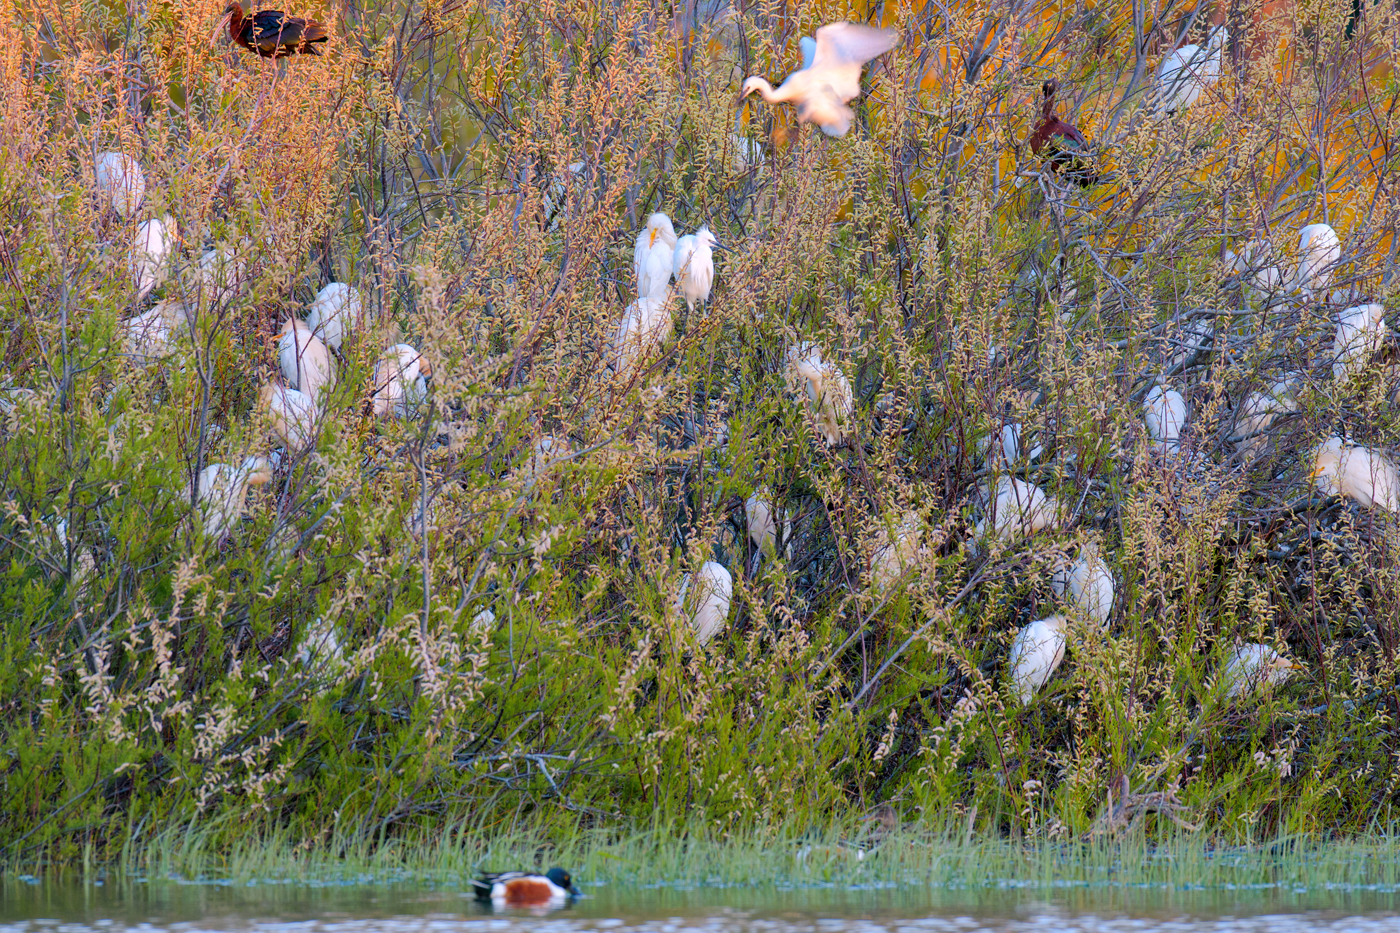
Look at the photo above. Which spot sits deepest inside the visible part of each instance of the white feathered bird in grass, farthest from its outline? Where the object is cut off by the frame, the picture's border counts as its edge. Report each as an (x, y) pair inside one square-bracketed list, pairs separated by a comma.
[(400, 382), (335, 314), (292, 414), (693, 265), (1360, 473), (223, 490), (1012, 506), (1252, 667), (764, 524), (653, 260), (305, 361), (707, 608), (826, 389), (149, 251), (1164, 413), (1361, 331), (1186, 73), (822, 89), (1086, 585), (1036, 652), (120, 182), (1319, 251), (645, 327)]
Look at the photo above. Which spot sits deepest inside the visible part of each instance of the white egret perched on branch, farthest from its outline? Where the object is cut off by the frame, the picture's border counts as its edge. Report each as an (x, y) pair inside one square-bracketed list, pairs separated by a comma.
[(1164, 412), (693, 264), (1036, 652), (1368, 476), (400, 382), (897, 551), (707, 609), (305, 361), (222, 490), (293, 414), (1260, 410), (1254, 667), (1014, 505), (1360, 333), (654, 256), (827, 390), (1086, 585), (1187, 72), (824, 86), (1319, 251), (120, 182), (336, 312), (645, 326), (154, 240), (1257, 266)]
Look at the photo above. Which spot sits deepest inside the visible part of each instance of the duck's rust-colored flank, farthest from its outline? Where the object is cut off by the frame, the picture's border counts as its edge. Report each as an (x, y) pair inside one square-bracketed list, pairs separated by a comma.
[(527, 892)]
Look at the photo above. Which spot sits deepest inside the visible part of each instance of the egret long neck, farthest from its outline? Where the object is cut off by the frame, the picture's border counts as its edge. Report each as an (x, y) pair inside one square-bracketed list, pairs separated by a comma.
[(763, 88)]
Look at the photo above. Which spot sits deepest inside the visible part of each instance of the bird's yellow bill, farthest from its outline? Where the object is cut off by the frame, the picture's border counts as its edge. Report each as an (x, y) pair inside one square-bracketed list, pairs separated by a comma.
[(653, 238)]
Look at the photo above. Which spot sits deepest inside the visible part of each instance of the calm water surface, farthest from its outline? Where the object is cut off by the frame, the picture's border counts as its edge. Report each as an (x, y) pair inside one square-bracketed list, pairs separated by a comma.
[(271, 907)]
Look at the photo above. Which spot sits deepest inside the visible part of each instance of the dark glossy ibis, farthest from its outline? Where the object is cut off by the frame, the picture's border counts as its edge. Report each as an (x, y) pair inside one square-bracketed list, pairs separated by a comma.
[(272, 33), (1064, 147)]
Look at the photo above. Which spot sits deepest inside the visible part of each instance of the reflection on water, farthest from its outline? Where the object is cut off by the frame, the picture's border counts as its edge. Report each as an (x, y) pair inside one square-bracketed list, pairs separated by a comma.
[(269, 907)]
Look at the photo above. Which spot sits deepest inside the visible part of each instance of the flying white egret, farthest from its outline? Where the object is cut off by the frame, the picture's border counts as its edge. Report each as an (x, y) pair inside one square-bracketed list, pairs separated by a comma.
[(1012, 506), (1164, 412), (1254, 667), (305, 361), (336, 312), (827, 391), (645, 326), (1086, 585), (154, 240), (1036, 652), (1319, 251), (707, 609), (1260, 409), (1186, 73), (1361, 331), (823, 87), (1368, 476), (223, 489), (693, 265), (654, 256), (896, 551), (120, 182), (293, 415), (400, 382), (764, 523)]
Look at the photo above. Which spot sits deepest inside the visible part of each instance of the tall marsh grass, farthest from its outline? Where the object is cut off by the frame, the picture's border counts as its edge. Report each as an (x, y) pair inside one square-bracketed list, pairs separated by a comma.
[(440, 622)]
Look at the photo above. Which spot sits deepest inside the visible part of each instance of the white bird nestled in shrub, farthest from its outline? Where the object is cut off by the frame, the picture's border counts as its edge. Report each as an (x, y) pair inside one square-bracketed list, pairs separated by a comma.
[(826, 389), (654, 256), (1260, 410), (1319, 251), (147, 337), (400, 382), (1086, 585), (762, 520), (1164, 413), (1186, 73), (646, 326), (223, 273), (335, 313), (1252, 667), (830, 77), (1257, 266), (120, 182), (149, 251), (1361, 331), (1012, 506), (707, 609), (305, 361), (693, 265), (1036, 652), (292, 413), (223, 490), (1368, 476), (896, 552)]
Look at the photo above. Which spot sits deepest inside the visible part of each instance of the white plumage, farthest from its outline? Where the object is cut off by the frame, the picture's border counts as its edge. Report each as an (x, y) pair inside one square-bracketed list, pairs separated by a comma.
[(1361, 331), (1368, 476), (1186, 73), (645, 326), (335, 314), (1257, 266), (152, 244), (1258, 412), (1086, 585), (1319, 251), (120, 182), (693, 265), (1015, 505), (1164, 412), (826, 389), (1253, 667), (147, 337), (293, 415), (896, 551), (305, 361), (830, 78), (400, 382), (222, 272), (223, 489), (762, 520), (1036, 652), (707, 608), (654, 256)]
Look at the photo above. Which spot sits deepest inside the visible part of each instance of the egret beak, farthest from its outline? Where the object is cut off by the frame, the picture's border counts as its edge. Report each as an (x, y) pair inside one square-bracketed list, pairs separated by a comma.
[(722, 249), (652, 242), (222, 27)]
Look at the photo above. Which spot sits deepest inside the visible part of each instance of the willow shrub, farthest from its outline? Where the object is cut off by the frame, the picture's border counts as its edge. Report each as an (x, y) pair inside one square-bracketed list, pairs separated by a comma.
[(479, 172)]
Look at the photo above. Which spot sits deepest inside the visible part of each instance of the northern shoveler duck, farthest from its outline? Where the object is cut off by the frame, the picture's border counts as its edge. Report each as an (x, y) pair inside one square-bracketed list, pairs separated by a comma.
[(526, 889)]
